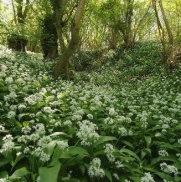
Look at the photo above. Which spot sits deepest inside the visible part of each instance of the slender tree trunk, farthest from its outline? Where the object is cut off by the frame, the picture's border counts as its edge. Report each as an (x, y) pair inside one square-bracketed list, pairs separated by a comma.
[(170, 36)]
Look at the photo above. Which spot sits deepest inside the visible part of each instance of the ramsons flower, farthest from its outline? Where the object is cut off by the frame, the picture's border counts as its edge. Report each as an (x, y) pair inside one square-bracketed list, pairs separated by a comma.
[(147, 178), (11, 114), (95, 168), (87, 132), (163, 153), (109, 150), (168, 168)]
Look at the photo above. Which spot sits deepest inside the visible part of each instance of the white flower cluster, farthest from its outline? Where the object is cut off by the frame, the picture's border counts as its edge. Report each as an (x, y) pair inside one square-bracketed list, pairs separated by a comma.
[(179, 141), (44, 141), (38, 152), (8, 144), (122, 131), (11, 114), (147, 178), (162, 153), (26, 129), (168, 168), (109, 150), (4, 179), (2, 128), (95, 168), (48, 110), (9, 80), (34, 99), (12, 96), (112, 112), (21, 107), (62, 144), (87, 132)]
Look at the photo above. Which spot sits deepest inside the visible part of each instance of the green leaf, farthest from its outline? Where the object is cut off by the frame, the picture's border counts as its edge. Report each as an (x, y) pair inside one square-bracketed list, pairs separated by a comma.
[(19, 173), (159, 159), (49, 174), (148, 140), (103, 139), (3, 174), (164, 176), (144, 152), (128, 144), (50, 147), (108, 175), (74, 151), (15, 122), (3, 162), (129, 152)]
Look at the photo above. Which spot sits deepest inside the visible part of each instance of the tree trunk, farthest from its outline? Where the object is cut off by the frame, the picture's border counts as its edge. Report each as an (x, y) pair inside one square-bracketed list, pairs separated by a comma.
[(67, 52)]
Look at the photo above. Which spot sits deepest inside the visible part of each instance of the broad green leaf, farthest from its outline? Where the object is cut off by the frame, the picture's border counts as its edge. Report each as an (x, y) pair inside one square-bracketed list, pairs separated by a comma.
[(128, 144), (71, 180), (159, 159), (164, 176), (74, 151), (49, 174), (19, 173), (100, 152), (3, 162), (129, 152), (103, 139), (144, 152), (50, 147), (177, 178), (108, 175)]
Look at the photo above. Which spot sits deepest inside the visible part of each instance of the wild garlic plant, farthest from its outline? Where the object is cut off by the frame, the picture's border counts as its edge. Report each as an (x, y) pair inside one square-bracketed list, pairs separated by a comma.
[(86, 131)]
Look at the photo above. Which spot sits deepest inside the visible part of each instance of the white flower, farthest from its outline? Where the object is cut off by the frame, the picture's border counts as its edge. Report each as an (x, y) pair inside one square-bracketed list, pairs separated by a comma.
[(112, 112), (122, 131), (44, 141), (147, 178), (67, 122), (90, 116), (2, 128), (18, 154), (76, 117), (8, 144), (163, 153), (21, 107), (168, 168), (26, 129), (11, 114), (48, 110), (95, 168), (34, 137), (109, 149), (87, 132), (115, 175), (157, 134), (179, 141), (39, 128), (9, 80), (62, 144), (119, 164)]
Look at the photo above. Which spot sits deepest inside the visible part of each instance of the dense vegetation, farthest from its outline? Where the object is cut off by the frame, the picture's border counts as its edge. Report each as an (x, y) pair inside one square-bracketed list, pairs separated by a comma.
[(90, 90), (118, 122)]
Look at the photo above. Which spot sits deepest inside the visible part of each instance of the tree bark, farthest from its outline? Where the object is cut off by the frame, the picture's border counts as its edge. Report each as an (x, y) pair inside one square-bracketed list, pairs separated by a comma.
[(69, 50)]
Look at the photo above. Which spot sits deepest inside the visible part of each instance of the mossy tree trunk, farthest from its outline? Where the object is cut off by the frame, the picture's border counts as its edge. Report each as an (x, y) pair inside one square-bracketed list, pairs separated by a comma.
[(68, 50)]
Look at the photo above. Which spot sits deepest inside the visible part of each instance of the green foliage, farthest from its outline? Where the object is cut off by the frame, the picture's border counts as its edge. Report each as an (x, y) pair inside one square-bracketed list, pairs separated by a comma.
[(112, 128)]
